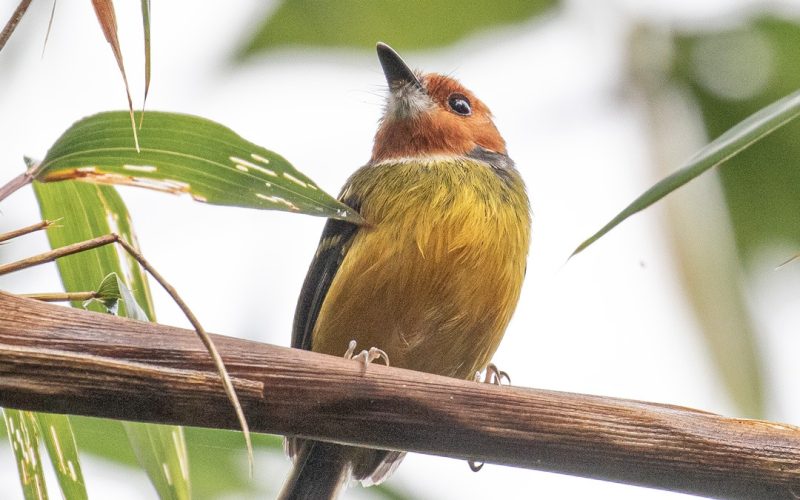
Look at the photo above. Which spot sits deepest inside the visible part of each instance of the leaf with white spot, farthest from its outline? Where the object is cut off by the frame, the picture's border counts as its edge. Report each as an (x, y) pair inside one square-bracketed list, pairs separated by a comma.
[(60, 443), (152, 444), (186, 154), (23, 434), (88, 211)]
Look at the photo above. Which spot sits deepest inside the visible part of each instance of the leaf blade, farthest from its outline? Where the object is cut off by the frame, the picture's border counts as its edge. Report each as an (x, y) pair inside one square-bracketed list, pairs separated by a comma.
[(405, 25), (186, 154), (735, 140), (146, 25), (23, 434), (107, 18), (89, 211), (59, 440)]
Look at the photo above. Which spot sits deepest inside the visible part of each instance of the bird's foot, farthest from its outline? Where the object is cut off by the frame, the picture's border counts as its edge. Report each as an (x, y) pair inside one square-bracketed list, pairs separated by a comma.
[(493, 375), (365, 356)]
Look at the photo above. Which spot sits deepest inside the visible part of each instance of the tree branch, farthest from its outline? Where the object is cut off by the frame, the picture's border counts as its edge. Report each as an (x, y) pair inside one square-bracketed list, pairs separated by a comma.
[(67, 361)]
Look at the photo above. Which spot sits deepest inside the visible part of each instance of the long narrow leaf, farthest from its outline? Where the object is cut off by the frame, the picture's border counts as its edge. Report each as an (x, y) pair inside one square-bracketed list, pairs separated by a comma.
[(726, 146), (186, 154), (108, 23), (23, 434), (151, 443), (146, 24), (59, 440), (88, 211)]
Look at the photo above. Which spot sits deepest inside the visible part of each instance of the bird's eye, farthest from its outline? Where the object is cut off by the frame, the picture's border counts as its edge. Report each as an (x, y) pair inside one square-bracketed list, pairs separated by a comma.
[(460, 104)]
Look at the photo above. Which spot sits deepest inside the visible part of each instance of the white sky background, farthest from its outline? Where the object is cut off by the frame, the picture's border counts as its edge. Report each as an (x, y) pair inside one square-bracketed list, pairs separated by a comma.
[(611, 321)]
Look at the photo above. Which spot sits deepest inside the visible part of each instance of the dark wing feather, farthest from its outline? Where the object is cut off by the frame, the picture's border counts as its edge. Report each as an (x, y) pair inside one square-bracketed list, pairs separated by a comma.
[(336, 239)]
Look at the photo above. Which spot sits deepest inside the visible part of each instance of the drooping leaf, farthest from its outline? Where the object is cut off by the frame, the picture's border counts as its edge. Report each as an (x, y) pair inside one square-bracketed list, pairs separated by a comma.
[(146, 23), (151, 444), (726, 146), (403, 25), (186, 154), (89, 211), (23, 434), (59, 440), (730, 72), (108, 23)]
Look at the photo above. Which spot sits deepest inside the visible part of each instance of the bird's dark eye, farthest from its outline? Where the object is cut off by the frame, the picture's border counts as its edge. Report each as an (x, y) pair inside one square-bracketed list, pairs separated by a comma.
[(460, 104)]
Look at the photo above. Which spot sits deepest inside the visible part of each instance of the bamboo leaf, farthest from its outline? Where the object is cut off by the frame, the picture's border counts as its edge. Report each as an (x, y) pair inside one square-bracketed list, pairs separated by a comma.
[(186, 154), (23, 434), (112, 293), (59, 440), (146, 24), (405, 25), (89, 211), (151, 443), (725, 147), (104, 9)]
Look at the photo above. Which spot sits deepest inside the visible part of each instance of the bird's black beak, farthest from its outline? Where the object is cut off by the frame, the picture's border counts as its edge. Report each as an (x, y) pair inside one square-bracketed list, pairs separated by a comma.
[(396, 70)]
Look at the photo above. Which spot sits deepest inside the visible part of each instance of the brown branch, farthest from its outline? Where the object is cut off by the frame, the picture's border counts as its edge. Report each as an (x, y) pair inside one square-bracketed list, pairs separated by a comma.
[(69, 361), (25, 230), (12, 23)]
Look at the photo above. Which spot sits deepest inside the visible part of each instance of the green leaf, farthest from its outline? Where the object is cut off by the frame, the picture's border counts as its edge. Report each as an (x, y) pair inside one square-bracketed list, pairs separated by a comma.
[(23, 434), (146, 27), (186, 154), (403, 25), (730, 72), (155, 447), (112, 293), (726, 146), (59, 440), (88, 211)]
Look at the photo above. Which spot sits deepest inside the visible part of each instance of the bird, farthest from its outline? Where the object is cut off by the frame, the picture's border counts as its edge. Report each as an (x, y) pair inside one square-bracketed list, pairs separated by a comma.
[(432, 277)]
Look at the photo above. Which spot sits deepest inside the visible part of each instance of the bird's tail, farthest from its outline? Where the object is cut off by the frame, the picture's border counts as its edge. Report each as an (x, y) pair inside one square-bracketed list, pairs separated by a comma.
[(321, 472)]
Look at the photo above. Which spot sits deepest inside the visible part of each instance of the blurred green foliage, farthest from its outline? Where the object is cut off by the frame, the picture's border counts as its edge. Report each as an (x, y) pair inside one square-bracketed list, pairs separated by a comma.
[(404, 25), (732, 73)]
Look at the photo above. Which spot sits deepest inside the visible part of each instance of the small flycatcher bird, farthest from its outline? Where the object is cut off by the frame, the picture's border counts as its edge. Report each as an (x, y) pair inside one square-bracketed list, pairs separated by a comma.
[(433, 276)]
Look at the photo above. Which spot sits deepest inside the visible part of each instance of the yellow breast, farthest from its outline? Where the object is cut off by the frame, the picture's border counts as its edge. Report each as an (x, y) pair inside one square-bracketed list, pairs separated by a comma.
[(434, 278)]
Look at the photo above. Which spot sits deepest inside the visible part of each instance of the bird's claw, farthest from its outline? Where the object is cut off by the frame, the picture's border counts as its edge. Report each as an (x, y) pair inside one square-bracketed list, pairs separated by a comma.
[(493, 375), (365, 356), (475, 466)]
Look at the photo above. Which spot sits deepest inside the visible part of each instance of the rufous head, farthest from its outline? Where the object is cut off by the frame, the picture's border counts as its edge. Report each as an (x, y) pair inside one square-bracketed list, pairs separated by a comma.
[(430, 115)]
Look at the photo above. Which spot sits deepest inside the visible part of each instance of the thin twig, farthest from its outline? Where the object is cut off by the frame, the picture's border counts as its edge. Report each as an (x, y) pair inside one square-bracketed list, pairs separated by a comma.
[(57, 253), (207, 342), (12, 23), (25, 230), (61, 296)]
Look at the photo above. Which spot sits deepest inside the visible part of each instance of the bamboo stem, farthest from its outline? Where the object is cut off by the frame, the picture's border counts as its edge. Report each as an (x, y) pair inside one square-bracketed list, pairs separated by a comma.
[(70, 361)]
